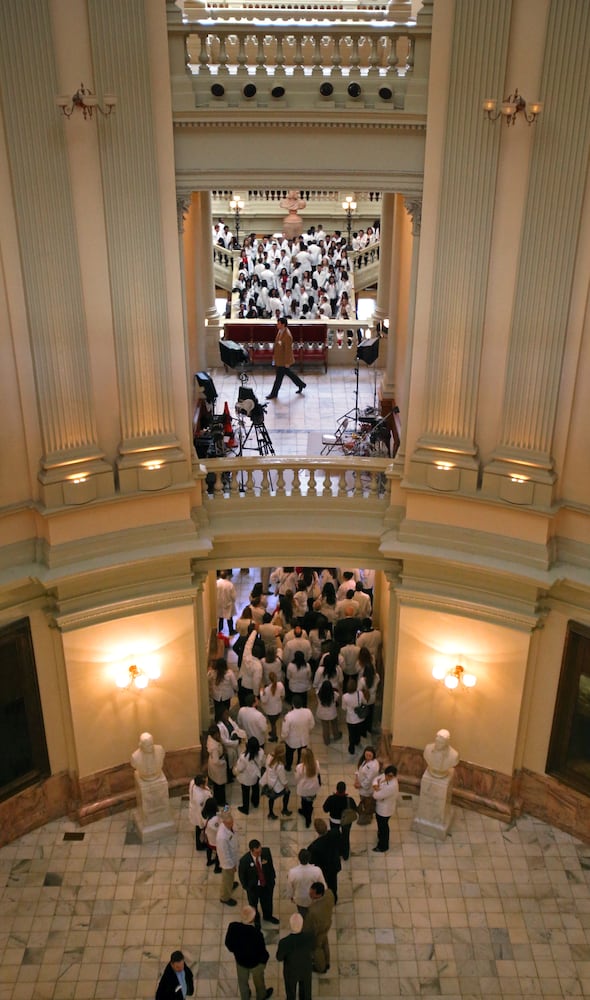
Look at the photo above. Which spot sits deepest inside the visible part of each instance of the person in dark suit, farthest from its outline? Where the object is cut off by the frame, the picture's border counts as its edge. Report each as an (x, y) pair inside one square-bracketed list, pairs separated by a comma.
[(295, 951), (257, 876), (325, 853), (177, 979)]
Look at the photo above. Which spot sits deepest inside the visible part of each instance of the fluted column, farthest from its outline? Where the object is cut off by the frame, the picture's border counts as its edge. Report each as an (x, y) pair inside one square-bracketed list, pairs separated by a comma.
[(391, 282), (150, 455), (385, 254), (72, 466), (461, 256), (522, 469), (208, 321), (389, 631), (413, 207)]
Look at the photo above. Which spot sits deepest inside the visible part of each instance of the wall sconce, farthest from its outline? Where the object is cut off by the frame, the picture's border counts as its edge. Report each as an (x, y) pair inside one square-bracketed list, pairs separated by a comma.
[(134, 676), (86, 102), (511, 107), (349, 206), (455, 677)]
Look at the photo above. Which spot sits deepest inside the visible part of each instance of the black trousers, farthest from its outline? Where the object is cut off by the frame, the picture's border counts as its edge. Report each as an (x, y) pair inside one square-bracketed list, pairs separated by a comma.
[(280, 375), (383, 832), (246, 789), (289, 754)]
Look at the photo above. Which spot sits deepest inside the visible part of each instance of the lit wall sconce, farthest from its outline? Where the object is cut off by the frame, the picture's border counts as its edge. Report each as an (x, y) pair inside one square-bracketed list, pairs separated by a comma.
[(513, 106), (134, 676), (237, 207), (153, 465), (86, 102), (455, 677)]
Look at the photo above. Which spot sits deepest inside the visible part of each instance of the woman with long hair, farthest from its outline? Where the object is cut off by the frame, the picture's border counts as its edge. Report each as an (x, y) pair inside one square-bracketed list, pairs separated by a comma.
[(308, 779), (319, 636), (211, 821), (329, 670), (364, 779), (198, 793), (299, 676), (368, 683), (326, 602), (275, 780), (224, 685), (352, 702), (327, 711), (248, 771), (271, 698), (216, 764)]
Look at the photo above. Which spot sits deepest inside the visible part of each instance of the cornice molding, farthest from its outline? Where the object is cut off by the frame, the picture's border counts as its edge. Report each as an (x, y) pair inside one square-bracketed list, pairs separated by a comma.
[(133, 605), (307, 119)]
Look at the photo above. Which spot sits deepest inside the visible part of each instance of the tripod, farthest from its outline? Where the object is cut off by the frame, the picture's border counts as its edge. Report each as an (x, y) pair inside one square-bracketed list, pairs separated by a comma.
[(263, 441), (353, 413)]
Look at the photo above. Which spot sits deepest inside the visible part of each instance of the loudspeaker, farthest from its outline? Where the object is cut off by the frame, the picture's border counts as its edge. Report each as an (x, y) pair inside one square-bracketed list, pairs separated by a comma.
[(277, 92), (207, 385), (326, 90), (249, 90), (217, 89), (385, 93), (232, 354), (354, 89), (368, 350)]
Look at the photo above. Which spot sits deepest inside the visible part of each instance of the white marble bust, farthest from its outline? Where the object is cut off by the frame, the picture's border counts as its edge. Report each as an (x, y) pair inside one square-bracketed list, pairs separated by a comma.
[(440, 756), (147, 760)]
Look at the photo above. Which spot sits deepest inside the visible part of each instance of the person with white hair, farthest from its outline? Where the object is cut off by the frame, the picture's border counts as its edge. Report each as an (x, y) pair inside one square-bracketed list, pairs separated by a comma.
[(246, 943), (295, 951)]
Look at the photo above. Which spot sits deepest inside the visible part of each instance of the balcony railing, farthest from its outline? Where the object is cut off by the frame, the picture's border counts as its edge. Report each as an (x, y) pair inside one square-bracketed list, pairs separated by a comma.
[(226, 482)]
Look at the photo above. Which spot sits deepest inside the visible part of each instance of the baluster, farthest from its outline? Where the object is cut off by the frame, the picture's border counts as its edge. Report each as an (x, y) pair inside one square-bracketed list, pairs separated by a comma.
[(241, 57), (319, 478), (260, 57), (223, 68), (341, 490), (204, 68), (317, 56), (354, 56), (280, 57), (265, 482), (374, 57), (392, 59), (411, 51), (298, 56), (336, 56), (280, 490)]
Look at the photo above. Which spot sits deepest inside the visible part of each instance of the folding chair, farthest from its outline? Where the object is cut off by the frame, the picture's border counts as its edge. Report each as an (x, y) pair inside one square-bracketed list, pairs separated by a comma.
[(335, 440)]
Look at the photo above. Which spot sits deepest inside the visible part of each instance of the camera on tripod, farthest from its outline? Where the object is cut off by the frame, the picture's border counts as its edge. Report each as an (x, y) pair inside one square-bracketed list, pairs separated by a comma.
[(248, 405)]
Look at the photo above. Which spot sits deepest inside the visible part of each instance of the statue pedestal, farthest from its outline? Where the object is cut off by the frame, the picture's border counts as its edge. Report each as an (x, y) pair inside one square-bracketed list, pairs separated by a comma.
[(292, 225), (435, 813), (152, 817)]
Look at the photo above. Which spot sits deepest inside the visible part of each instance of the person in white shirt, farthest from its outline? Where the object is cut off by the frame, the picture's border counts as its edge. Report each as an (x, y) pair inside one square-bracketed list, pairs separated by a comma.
[(327, 711), (364, 779), (348, 660), (385, 793), (226, 602), (370, 638), (228, 854), (248, 771), (271, 699), (198, 793), (351, 701), (300, 880), (363, 600), (307, 776), (252, 720), (276, 781), (297, 727), (224, 686), (250, 674), (299, 677), (368, 682)]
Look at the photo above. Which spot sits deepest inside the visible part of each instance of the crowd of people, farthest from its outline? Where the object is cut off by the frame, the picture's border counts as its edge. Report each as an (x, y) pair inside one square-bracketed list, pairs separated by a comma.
[(303, 278), (306, 652)]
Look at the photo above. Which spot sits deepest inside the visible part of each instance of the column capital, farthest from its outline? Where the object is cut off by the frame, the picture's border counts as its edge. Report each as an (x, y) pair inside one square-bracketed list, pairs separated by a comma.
[(183, 204), (413, 206)]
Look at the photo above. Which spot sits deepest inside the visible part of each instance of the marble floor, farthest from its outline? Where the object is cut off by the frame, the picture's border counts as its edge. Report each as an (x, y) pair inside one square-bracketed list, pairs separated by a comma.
[(292, 417)]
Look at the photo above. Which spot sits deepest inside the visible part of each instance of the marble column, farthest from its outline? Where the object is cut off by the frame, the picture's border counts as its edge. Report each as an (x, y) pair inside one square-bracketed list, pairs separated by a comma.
[(522, 467), (208, 320), (389, 631), (413, 207), (72, 467), (391, 279), (150, 456), (385, 254), (465, 212)]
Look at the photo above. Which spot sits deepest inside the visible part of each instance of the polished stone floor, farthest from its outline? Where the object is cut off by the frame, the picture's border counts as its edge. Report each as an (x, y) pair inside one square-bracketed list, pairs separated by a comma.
[(292, 417)]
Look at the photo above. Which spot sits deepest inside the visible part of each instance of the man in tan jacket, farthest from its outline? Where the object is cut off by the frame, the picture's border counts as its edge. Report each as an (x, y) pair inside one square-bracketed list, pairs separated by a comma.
[(283, 359), (318, 921)]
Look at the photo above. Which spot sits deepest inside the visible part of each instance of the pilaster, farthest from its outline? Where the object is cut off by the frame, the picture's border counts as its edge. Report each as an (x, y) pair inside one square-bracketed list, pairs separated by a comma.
[(385, 254), (522, 468), (150, 454), (446, 454), (413, 206), (72, 466), (391, 279)]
